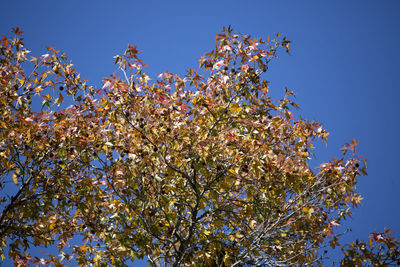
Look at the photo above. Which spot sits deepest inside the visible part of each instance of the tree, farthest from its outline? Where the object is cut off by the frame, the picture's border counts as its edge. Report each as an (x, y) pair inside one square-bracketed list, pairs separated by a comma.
[(203, 169)]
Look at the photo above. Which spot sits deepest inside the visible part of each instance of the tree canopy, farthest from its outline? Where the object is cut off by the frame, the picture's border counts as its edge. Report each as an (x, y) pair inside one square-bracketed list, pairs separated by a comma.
[(204, 169)]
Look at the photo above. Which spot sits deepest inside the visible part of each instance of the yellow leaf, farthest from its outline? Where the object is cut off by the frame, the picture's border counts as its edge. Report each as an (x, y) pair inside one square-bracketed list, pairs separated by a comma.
[(96, 258), (19, 101), (235, 108), (308, 211), (227, 259), (238, 235), (38, 90), (311, 211), (15, 178), (122, 249), (232, 172)]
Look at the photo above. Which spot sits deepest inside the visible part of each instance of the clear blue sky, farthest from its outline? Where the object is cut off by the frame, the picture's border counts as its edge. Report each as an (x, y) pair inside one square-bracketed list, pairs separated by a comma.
[(344, 64)]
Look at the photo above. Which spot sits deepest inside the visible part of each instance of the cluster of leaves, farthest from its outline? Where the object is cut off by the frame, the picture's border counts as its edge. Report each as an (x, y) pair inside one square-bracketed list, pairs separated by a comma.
[(38, 183), (203, 169), (381, 250)]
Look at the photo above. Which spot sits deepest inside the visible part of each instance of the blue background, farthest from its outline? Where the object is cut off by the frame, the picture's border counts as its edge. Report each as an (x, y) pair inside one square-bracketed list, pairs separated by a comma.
[(343, 67)]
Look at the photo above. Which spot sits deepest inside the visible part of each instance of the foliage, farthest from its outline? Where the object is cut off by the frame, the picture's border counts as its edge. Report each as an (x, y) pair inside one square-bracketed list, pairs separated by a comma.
[(204, 169), (381, 250)]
